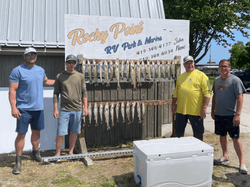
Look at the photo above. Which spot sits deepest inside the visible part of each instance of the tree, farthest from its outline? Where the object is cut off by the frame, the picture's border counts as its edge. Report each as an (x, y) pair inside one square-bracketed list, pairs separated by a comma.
[(240, 55), (210, 19)]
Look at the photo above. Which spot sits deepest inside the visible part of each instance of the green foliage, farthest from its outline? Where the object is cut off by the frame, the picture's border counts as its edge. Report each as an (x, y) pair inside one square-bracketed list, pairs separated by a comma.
[(68, 181), (240, 55), (213, 19)]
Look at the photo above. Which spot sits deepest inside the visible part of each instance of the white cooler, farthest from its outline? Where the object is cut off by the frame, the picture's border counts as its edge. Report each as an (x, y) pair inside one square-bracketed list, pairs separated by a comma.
[(173, 162)]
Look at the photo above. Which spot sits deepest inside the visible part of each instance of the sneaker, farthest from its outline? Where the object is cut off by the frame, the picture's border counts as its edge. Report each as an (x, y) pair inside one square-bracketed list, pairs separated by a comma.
[(36, 156), (17, 168), (222, 160), (243, 169)]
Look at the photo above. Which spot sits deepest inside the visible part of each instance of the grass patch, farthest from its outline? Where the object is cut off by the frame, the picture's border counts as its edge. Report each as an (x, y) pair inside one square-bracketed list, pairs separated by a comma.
[(68, 180)]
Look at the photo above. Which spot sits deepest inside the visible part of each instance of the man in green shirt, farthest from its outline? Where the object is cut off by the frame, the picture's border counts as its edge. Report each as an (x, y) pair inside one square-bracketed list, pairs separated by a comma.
[(71, 85)]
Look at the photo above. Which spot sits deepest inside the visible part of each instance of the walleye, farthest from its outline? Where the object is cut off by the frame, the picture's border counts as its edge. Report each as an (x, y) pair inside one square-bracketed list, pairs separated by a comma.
[(122, 70), (89, 72), (127, 70), (128, 112), (111, 67), (95, 72), (143, 109), (123, 112), (117, 74), (149, 71), (84, 67), (133, 111), (101, 112), (139, 111), (117, 111), (106, 72), (83, 118), (100, 71), (173, 69), (143, 70), (168, 71), (153, 70), (133, 75), (138, 72), (106, 114), (112, 113), (164, 69), (90, 113), (159, 71), (96, 114)]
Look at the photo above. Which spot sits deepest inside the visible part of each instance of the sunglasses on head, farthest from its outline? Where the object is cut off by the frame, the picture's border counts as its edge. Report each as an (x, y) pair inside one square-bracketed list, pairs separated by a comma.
[(31, 54), (71, 62)]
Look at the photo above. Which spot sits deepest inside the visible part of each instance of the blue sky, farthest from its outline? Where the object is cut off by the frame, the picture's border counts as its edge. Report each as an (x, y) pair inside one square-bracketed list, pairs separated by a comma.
[(218, 52)]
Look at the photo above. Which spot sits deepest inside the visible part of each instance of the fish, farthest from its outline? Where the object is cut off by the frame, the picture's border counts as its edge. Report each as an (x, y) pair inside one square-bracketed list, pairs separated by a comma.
[(127, 70), (112, 113), (143, 109), (96, 114), (133, 75), (117, 111), (95, 72), (106, 72), (159, 71), (90, 113), (153, 70), (143, 69), (149, 71), (168, 70), (128, 112), (163, 69), (117, 74), (83, 118), (123, 112), (122, 69), (173, 69), (100, 70), (139, 111), (89, 72), (84, 68), (133, 111), (101, 112), (106, 114), (111, 70), (138, 73)]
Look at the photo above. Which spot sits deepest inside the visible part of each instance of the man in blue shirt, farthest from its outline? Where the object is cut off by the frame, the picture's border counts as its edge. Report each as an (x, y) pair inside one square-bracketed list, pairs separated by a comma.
[(26, 100)]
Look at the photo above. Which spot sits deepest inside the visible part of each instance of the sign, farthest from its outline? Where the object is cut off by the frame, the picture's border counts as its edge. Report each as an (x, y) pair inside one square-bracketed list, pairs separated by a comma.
[(100, 37)]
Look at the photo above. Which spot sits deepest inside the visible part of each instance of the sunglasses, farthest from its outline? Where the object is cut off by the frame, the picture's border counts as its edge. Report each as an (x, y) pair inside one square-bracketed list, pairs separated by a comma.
[(71, 62), (31, 54)]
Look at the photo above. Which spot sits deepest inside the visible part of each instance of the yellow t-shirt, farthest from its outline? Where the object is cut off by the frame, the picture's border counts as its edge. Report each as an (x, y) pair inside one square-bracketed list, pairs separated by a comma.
[(191, 88)]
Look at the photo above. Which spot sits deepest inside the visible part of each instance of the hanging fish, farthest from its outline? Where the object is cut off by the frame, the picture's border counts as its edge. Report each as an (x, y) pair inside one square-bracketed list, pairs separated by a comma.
[(83, 118), (122, 69), (149, 71), (95, 72), (159, 71), (133, 111), (138, 72), (101, 112), (127, 70), (168, 70), (139, 111), (143, 109), (106, 114), (173, 69), (153, 70), (84, 68), (96, 114), (143, 69), (112, 113), (111, 67), (90, 113), (163, 69), (106, 72), (117, 111), (89, 68), (100, 70), (117, 74), (128, 112), (123, 112), (133, 75)]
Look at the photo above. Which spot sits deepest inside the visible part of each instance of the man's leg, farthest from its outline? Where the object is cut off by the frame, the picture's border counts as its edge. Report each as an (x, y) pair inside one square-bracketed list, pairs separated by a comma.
[(59, 142), (35, 139), (72, 142), (238, 149), (19, 143), (180, 124), (197, 126), (224, 144)]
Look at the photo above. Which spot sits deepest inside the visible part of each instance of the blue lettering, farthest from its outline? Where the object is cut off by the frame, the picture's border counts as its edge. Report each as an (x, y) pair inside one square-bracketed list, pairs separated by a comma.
[(151, 40)]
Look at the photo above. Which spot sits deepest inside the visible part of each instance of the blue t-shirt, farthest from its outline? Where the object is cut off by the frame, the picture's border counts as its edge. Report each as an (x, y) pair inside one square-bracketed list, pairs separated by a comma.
[(29, 95)]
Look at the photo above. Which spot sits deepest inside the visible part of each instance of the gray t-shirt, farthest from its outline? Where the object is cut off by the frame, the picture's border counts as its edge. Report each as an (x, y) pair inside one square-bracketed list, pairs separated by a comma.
[(226, 91)]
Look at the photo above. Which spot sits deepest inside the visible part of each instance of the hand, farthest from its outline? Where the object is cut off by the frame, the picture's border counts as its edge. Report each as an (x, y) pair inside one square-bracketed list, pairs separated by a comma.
[(16, 113), (174, 109), (85, 111), (203, 113), (56, 114), (212, 115), (236, 120)]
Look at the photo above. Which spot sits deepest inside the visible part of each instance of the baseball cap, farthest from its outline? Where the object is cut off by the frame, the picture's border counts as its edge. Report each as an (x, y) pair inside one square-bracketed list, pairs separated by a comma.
[(30, 50), (70, 57), (187, 58)]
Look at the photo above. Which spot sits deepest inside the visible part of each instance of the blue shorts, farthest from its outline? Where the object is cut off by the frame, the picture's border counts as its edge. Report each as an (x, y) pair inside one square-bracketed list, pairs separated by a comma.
[(34, 118), (66, 118), (224, 125)]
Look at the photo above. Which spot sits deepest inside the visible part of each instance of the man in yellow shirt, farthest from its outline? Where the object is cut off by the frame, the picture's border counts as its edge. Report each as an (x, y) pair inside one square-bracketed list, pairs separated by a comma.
[(192, 95)]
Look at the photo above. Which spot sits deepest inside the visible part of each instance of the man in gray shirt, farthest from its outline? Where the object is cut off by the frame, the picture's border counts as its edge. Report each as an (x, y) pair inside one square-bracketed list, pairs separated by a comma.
[(227, 103)]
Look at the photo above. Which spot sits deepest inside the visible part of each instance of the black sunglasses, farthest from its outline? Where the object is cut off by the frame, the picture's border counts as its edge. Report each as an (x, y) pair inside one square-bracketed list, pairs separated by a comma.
[(71, 62), (31, 54)]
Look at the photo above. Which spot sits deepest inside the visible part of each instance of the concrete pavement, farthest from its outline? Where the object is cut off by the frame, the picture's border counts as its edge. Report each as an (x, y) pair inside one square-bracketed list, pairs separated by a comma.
[(209, 122)]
